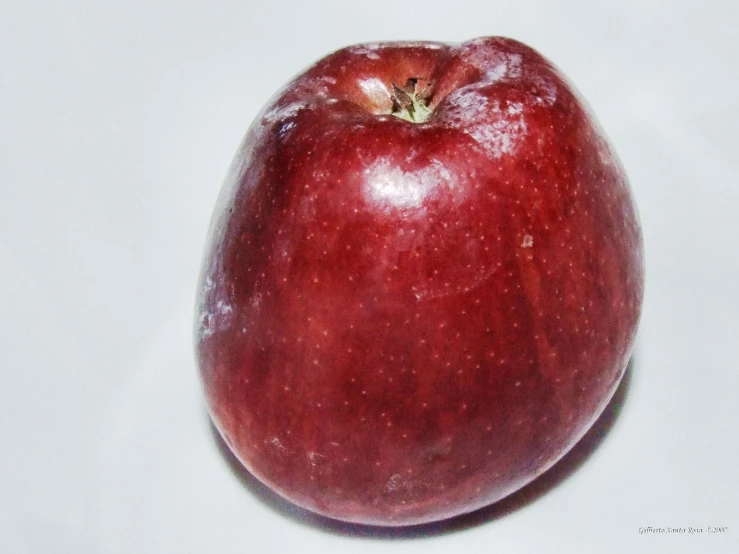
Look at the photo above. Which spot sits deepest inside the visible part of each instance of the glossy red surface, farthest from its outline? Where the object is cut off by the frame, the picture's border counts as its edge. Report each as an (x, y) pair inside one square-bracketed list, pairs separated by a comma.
[(402, 322)]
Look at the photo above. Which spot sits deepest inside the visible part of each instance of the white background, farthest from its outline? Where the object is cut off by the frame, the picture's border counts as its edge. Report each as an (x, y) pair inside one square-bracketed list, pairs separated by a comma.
[(117, 123)]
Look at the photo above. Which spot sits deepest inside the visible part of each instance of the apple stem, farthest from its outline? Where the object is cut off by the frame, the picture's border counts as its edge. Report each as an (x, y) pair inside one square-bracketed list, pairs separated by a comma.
[(409, 103)]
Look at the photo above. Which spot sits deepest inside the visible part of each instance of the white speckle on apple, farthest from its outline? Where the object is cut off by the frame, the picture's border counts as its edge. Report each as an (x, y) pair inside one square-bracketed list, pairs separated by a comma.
[(216, 319), (500, 137), (206, 326), (515, 108), (497, 131), (395, 482), (207, 286), (278, 445), (546, 91), (314, 458), (368, 50), (493, 63), (281, 113)]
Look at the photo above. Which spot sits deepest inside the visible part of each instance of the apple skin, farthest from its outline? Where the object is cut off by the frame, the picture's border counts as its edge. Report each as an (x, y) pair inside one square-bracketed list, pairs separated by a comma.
[(401, 322)]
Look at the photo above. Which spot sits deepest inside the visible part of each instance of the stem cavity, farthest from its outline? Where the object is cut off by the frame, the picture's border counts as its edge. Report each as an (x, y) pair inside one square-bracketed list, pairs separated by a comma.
[(411, 102)]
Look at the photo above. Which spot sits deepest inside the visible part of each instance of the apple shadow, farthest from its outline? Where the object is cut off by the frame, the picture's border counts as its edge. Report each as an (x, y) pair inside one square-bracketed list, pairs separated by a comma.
[(549, 480)]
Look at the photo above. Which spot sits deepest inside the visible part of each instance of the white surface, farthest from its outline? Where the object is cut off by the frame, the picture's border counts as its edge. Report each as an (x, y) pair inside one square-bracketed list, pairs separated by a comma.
[(117, 124)]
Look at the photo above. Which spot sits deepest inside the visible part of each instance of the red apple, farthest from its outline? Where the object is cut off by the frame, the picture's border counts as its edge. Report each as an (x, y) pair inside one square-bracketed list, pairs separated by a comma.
[(422, 281)]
